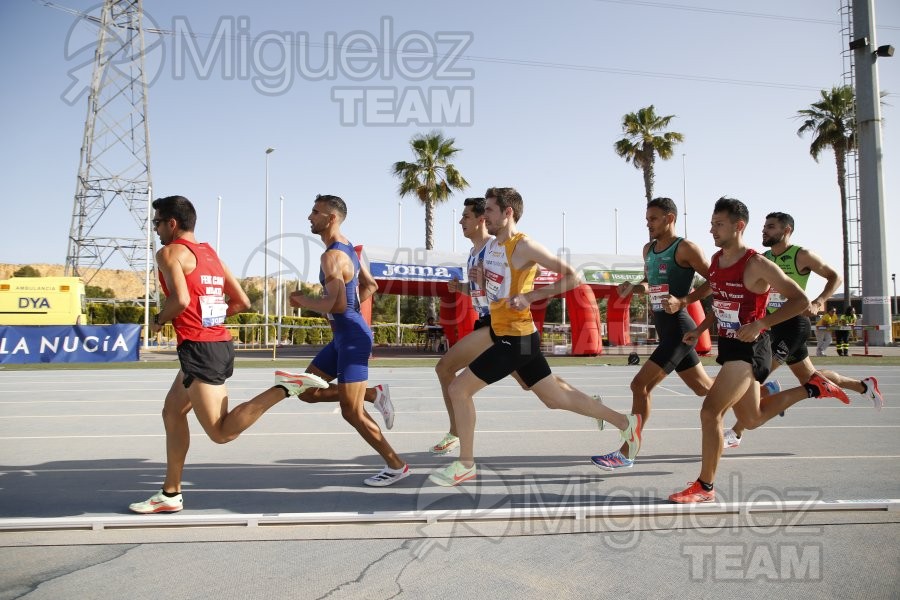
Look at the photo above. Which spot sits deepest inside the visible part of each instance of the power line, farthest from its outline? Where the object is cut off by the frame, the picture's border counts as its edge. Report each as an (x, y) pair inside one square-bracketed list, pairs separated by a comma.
[(532, 63), (732, 13)]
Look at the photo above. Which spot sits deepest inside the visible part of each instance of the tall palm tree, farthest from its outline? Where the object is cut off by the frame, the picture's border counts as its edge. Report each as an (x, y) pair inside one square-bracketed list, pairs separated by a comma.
[(431, 177), (642, 144), (832, 123)]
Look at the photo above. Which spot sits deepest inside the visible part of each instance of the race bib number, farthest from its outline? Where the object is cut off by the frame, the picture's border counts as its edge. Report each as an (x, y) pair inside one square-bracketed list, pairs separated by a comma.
[(212, 310), (776, 300), (727, 314), (493, 284), (658, 295)]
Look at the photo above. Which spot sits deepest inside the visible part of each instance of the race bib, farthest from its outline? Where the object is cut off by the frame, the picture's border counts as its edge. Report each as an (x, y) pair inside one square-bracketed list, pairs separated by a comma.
[(727, 314), (658, 295), (776, 300), (493, 284), (212, 310)]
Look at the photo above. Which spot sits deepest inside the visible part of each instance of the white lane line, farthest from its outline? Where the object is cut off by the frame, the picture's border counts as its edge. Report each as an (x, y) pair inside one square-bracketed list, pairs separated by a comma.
[(511, 412), (394, 432)]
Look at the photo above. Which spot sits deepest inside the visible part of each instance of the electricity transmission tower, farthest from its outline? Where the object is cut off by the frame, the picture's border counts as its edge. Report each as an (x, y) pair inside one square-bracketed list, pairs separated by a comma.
[(110, 217)]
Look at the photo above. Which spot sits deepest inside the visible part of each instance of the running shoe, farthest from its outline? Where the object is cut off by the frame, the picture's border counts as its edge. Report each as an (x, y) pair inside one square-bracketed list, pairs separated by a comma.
[(693, 494), (388, 476), (384, 405), (827, 389), (158, 503), (453, 474), (632, 435), (771, 388), (731, 439), (873, 393), (612, 461), (447, 443), (297, 383)]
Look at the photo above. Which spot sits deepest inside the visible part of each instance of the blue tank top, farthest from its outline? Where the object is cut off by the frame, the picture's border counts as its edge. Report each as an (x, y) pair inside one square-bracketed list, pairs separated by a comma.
[(351, 316)]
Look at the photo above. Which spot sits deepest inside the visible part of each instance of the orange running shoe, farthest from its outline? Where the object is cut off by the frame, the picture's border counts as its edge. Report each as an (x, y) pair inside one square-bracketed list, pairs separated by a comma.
[(826, 388), (693, 494)]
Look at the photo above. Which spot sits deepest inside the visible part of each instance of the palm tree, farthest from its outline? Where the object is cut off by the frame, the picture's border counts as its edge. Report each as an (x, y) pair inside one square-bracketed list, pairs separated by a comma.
[(641, 144), (432, 178), (832, 123)]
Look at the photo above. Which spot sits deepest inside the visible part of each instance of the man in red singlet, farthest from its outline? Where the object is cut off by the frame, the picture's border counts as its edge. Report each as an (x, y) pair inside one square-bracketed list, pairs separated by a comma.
[(200, 292), (740, 279)]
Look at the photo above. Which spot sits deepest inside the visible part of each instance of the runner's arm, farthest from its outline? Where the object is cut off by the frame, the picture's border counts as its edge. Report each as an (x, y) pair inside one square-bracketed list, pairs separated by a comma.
[(623, 289), (237, 298), (367, 284), (690, 254), (529, 251), (333, 299), (814, 263), (764, 272)]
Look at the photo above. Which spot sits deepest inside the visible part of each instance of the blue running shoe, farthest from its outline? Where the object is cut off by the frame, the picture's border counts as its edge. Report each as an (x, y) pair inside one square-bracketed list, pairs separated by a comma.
[(612, 461), (773, 387)]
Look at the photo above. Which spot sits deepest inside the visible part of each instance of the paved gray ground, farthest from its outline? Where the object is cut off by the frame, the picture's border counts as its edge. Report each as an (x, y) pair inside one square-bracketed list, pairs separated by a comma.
[(89, 442)]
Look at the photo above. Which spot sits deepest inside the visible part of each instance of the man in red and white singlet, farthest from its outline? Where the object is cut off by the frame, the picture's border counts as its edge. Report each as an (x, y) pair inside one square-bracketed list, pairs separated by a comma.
[(200, 292), (739, 280)]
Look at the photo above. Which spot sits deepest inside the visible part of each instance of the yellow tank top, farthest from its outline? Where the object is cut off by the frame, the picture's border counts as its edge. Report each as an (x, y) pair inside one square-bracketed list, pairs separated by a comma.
[(502, 280)]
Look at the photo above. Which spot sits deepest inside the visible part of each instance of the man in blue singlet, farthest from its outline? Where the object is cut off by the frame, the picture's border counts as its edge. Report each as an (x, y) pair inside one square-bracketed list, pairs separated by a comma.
[(346, 283)]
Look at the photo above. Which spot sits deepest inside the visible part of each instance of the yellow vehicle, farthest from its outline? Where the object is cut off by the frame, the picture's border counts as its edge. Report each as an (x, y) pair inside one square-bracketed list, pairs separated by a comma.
[(42, 301)]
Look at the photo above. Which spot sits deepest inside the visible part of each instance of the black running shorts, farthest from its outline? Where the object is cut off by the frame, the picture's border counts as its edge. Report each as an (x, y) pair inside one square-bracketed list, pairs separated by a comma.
[(209, 362), (512, 353), (672, 354), (789, 340), (758, 353)]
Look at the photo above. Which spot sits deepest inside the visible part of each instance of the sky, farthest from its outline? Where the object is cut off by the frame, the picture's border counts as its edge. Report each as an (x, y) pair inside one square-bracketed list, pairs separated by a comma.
[(533, 93)]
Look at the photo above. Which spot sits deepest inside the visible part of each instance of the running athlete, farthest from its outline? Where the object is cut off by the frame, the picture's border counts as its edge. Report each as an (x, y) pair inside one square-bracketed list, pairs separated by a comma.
[(789, 337), (510, 264), (470, 346), (740, 279), (346, 357), (669, 266), (200, 292)]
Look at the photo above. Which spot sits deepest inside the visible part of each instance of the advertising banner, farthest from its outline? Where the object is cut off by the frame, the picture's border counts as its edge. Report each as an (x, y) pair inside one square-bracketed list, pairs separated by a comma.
[(69, 344)]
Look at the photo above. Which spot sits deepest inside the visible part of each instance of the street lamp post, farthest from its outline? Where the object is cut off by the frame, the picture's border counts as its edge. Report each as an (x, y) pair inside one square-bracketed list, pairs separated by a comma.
[(279, 293), (266, 257)]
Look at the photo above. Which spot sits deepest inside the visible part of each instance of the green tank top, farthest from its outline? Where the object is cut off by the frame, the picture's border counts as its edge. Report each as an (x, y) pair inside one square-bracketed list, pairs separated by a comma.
[(665, 276), (787, 262)]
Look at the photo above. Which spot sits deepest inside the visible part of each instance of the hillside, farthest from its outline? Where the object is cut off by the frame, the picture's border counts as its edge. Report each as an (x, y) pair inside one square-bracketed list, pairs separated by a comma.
[(125, 284)]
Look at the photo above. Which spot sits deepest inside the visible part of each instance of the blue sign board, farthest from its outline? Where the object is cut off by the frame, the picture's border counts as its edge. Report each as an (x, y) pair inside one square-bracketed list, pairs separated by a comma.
[(69, 343)]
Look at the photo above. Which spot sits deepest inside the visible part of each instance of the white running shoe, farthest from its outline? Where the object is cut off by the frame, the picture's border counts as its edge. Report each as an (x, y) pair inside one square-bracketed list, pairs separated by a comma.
[(384, 405), (873, 393), (297, 383), (731, 439), (158, 503), (448, 443), (388, 476)]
